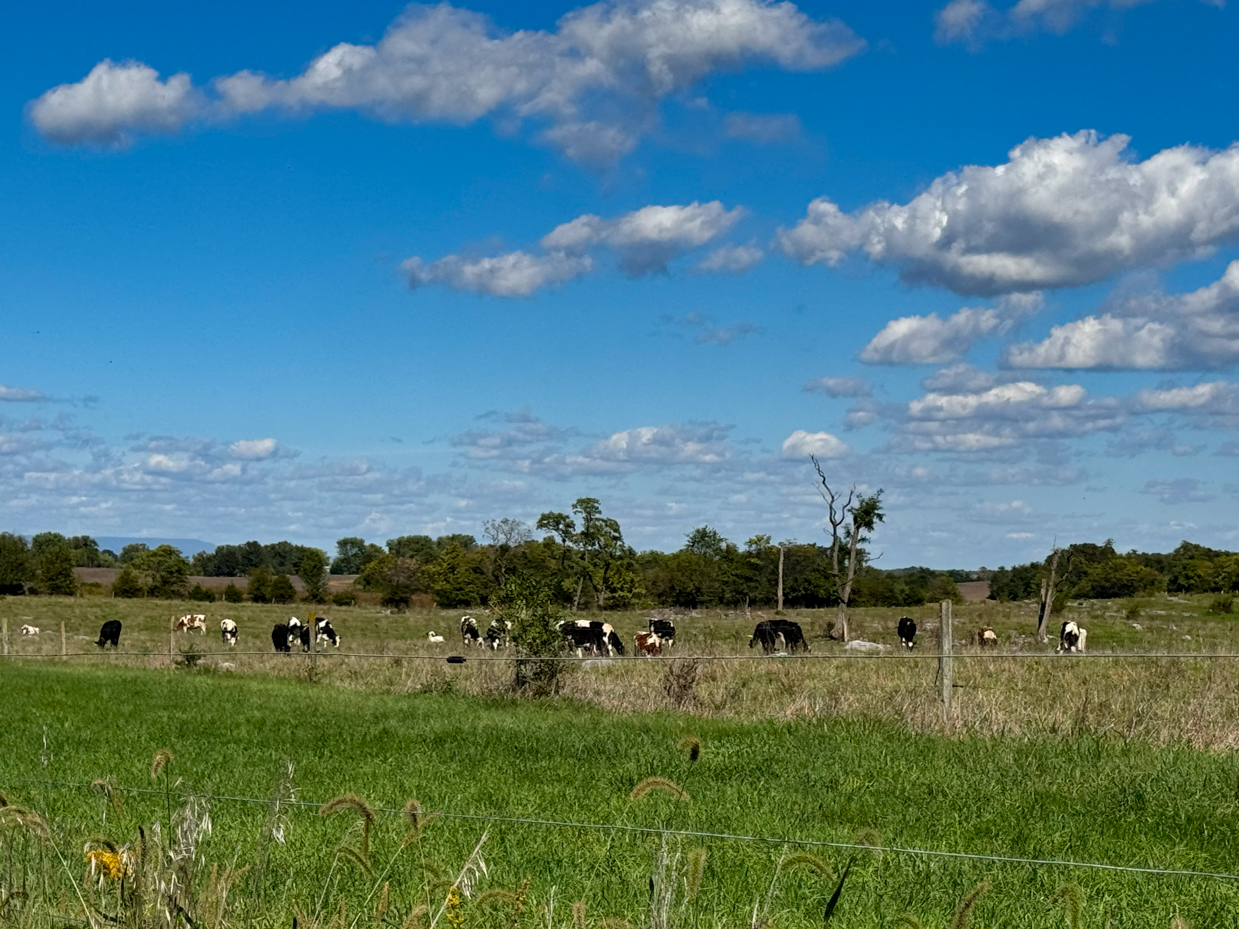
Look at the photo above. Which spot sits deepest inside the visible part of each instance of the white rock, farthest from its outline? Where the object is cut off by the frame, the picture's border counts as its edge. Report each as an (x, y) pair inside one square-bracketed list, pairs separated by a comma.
[(860, 645)]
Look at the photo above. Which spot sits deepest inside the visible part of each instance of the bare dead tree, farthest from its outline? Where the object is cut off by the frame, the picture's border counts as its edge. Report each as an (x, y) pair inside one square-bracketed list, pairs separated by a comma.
[(850, 518), (1048, 583)]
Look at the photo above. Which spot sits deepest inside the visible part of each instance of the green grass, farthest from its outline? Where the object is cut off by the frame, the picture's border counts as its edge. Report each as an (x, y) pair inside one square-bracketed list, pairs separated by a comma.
[(1087, 799)]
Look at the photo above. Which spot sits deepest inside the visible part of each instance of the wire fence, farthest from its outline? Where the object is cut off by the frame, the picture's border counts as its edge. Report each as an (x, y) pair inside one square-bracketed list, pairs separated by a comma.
[(784, 841)]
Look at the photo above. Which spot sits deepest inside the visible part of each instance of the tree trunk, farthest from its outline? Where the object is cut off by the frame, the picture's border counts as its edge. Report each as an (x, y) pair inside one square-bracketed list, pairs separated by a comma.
[(576, 601), (841, 631), (1047, 599), (780, 579)]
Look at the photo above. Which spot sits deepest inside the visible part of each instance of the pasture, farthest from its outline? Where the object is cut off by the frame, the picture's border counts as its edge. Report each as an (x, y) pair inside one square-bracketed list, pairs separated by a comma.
[(1081, 798)]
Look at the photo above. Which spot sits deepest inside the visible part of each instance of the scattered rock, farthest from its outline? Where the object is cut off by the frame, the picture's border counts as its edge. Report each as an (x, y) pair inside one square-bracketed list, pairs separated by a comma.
[(1187, 637), (227, 666), (860, 645), (597, 662), (1137, 627)]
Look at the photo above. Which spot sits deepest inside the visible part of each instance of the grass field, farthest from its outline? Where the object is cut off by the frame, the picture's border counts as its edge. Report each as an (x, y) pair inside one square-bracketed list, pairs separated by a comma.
[(1081, 798)]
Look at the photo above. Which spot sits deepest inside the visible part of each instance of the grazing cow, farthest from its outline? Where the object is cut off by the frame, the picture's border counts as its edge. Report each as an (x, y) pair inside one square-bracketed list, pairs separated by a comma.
[(469, 630), (584, 636), (436, 639), (497, 634), (665, 630), (30, 630), (986, 637), (1071, 638), (109, 634), (773, 633), (326, 633), (907, 631), (228, 630), (192, 621), (281, 638), (647, 643), (293, 623), (300, 634)]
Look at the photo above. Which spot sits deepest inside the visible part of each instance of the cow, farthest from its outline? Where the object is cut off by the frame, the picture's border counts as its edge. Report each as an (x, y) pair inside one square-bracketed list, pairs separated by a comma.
[(773, 633), (435, 639), (469, 630), (228, 631), (1071, 638), (30, 630), (301, 633), (986, 637), (907, 631), (192, 621), (326, 633), (293, 624), (497, 634), (584, 636), (647, 643), (109, 634), (281, 638), (665, 630)]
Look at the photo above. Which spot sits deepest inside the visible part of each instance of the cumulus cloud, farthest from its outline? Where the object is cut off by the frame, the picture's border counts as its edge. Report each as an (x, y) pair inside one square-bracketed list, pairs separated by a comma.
[(933, 340), (802, 444), (698, 443), (840, 386), (763, 128), (594, 82), (1181, 332), (1148, 440), (644, 241), (732, 259), (522, 431), (21, 395), (1061, 212), (974, 22)]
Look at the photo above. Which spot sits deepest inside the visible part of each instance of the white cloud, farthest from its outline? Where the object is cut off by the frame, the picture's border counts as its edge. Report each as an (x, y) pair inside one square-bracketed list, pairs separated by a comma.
[(732, 259), (1213, 396), (595, 81), (840, 386), (516, 274), (704, 443), (1178, 491), (113, 104), (1062, 212), (802, 444), (255, 449), (933, 340), (1182, 332), (21, 395), (961, 21), (974, 22), (644, 241), (763, 128)]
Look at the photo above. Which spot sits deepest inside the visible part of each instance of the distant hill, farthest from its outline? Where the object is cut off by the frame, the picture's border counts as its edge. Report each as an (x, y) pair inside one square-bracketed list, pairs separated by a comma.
[(188, 547)]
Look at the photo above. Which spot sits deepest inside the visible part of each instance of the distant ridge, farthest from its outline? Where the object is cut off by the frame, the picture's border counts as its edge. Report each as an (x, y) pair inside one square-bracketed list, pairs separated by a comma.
[(188, 547)]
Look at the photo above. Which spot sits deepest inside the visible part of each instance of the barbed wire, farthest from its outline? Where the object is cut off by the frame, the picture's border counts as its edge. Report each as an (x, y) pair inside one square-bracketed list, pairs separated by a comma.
[(686, 833)]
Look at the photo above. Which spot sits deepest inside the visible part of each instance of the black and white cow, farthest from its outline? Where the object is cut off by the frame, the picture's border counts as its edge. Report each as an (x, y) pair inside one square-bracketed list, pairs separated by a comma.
[(228, 630), (591, 635), (30, 630), (300, 634), (497, 634), (325, 633), (109, 634), (907, 631), (665, 630), (281, 638), (469, 630), (1071, 638)]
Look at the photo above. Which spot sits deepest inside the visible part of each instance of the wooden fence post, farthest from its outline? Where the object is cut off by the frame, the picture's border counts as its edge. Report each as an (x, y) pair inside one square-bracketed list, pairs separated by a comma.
[(5, 622), (946, 668), (64, 647), (309, 620)]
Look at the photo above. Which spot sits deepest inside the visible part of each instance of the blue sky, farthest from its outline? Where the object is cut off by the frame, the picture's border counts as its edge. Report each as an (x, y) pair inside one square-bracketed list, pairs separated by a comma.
[(319, 270)]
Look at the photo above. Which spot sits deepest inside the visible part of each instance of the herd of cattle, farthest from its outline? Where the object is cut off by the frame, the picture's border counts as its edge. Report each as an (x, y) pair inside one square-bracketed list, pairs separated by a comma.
[(583, 636)]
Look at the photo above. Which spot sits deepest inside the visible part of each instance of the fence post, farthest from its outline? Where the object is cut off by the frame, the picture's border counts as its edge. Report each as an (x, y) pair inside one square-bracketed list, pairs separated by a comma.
[(64, 647), (172, 642), (946, 668), (5, 633), (309, 621)]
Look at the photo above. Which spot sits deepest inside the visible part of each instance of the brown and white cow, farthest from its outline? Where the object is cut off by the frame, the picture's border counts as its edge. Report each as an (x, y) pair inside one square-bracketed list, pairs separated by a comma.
[(647, 643), (191, 621), (986, 637)]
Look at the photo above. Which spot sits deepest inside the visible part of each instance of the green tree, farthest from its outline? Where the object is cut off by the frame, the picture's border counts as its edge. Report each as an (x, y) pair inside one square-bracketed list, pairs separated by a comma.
[(313, 573), (353, 554), (528, 606), (16, 568), (592, 545), (165, 571), (1117, 577), (421, 548), (200, 594), (395, 579), (130, 552), (259, 588), (233, 594), (128, 584), (505, 536), (282, 589), (457, 578), (55, 575)]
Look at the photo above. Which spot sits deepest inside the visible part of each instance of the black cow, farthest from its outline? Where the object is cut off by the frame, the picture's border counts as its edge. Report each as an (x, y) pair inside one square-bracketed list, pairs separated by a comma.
[(109, 634), (665, 630), (279, 637), (907, 631), (772, 633)]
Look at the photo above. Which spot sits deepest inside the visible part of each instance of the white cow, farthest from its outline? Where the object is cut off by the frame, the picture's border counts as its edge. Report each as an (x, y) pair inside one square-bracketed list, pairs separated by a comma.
[(228, 630), (30, 630)]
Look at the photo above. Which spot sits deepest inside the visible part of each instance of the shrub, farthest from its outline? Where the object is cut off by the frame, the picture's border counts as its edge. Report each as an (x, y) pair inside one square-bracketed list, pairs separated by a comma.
[(127, 584), (232, 594), (1225, 603), (344, 598), (282, 590), (201, 594)]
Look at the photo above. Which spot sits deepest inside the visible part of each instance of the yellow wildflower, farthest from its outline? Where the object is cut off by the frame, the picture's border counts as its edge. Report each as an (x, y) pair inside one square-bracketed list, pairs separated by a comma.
[(106, 864), (453, 914)]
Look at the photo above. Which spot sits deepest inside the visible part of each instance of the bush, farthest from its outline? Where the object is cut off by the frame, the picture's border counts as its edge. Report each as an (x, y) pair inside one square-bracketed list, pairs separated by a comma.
[(282, 590), (344, 598), (201, 594), (232, 594), (1222, 604), (127, 584)]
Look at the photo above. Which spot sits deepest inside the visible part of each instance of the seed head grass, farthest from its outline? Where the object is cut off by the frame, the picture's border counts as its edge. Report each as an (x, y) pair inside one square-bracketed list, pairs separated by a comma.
[(658, 783)]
